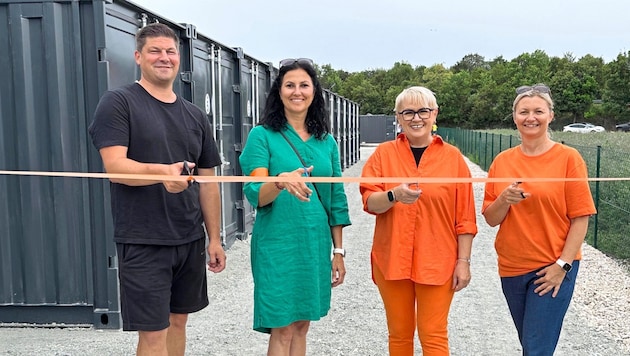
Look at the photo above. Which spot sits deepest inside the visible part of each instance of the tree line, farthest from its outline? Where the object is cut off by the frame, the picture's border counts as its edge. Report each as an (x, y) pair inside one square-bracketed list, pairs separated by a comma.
[(478, 94)]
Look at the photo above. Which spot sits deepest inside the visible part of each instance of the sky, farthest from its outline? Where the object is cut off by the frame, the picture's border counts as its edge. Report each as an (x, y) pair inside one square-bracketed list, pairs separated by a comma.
[(358, 35)]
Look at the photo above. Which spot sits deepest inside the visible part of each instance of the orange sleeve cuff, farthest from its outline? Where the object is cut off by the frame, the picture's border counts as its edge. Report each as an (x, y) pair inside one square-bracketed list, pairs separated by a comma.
[(260, 172)]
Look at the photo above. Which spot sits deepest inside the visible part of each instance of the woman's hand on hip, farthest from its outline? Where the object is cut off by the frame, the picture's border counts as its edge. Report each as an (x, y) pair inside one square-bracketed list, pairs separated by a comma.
[(551, 278)]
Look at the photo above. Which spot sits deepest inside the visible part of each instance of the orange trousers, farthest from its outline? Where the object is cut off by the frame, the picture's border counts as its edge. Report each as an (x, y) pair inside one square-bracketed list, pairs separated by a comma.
[(407, 305)]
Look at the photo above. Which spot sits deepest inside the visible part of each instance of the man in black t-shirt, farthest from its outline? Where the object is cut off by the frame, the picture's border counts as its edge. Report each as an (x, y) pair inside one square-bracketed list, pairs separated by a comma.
[(145, 128)]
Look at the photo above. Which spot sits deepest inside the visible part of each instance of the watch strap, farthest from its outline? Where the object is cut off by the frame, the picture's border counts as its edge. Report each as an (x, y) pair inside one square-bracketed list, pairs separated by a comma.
[(339, 251), (566, 266), (390, 196)]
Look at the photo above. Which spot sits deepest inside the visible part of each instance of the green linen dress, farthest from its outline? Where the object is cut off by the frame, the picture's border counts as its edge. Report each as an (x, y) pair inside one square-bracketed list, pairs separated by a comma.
[(291, 240)]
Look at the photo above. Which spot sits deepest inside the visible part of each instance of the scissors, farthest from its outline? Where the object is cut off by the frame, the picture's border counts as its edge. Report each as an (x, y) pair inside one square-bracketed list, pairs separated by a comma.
[(306, 174), (190, 172)]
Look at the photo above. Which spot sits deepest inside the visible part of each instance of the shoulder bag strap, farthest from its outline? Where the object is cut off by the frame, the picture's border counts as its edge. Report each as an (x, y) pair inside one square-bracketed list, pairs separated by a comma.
[(300, 157)]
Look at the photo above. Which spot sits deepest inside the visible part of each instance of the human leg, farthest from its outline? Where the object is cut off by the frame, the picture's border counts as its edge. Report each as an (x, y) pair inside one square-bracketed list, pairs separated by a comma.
[(145, 281), (189, 288), (152, 343), (515, 292), (399, 301), (544, 315), (298, 341), (176, 336), (434, 303), (189, 292), (153, 296), (289, 340)]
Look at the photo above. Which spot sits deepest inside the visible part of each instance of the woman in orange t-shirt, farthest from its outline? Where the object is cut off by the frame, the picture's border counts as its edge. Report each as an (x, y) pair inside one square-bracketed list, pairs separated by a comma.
[(542, 224), (423, 233)]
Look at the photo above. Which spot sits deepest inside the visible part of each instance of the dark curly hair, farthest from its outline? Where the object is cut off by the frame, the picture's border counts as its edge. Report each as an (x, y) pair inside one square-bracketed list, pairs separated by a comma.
[(273, 116)]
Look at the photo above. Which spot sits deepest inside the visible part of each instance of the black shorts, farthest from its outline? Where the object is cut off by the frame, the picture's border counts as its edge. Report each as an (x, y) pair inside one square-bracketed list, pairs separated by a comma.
[(158, 280)]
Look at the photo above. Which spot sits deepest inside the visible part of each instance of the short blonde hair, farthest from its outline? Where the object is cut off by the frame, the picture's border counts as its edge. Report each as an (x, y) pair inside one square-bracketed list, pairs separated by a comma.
[(416, 95)]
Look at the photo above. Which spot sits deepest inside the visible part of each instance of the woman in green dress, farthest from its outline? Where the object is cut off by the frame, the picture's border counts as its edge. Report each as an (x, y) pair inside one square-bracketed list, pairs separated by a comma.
[(298, 225)]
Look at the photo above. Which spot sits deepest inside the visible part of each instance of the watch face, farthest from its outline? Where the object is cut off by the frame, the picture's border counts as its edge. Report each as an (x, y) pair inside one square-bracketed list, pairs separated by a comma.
[(390, 195), (566, 267)]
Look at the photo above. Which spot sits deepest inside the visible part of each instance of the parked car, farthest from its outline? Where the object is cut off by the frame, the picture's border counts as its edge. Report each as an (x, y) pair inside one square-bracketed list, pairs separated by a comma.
[(623, 127), (583, 127)]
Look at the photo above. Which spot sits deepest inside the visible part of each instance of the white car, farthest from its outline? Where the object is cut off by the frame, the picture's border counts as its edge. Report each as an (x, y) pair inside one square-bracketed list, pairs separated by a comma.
[(583, 128)]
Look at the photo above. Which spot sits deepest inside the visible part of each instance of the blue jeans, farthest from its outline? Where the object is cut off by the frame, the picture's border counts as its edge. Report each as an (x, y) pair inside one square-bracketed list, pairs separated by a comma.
[(538, 320)]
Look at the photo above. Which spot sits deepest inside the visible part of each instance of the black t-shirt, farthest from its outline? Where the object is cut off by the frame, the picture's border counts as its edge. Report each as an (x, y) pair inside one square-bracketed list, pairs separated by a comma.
[(417, 153), (154, 132)]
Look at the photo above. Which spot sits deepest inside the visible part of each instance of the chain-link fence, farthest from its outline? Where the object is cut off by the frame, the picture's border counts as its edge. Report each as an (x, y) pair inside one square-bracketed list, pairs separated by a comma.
[(609, 230)]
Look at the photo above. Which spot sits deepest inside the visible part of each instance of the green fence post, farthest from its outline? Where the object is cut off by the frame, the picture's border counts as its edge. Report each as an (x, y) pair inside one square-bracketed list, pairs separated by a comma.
[(597, 174)]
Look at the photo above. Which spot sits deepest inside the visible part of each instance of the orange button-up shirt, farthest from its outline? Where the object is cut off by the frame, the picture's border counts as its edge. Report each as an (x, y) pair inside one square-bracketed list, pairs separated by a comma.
[(419, 241)]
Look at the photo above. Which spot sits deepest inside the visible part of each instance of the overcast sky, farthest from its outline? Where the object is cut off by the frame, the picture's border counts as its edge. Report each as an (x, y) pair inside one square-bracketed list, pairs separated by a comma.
[(356, 35)]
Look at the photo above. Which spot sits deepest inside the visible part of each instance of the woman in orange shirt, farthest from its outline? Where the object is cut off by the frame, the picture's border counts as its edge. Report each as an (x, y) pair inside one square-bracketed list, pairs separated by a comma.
[(423, 233), (542, 224)]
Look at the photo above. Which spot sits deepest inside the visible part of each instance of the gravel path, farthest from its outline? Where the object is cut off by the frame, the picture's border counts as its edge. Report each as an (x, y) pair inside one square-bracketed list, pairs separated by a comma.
[(597, 322)]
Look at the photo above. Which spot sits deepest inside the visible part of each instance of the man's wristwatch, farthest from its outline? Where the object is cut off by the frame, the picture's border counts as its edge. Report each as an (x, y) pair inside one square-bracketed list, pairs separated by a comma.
[(390, 196), (565, 265), (340, 251)]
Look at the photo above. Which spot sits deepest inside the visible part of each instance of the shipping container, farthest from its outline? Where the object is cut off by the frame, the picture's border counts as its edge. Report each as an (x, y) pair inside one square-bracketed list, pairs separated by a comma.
[(378, 128), (58, 57)]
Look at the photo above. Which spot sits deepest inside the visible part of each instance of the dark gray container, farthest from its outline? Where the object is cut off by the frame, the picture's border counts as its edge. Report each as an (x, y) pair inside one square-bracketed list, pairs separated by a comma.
[(57, 58), (377, 128)]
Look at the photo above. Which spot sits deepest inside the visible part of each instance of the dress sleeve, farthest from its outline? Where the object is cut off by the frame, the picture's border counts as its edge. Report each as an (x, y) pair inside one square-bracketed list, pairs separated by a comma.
[(339, 203), (255, 155)]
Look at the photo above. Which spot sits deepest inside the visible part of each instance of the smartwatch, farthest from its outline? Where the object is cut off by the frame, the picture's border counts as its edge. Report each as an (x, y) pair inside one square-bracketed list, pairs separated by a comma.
[(390, 196), (565, 265), (340, 251)]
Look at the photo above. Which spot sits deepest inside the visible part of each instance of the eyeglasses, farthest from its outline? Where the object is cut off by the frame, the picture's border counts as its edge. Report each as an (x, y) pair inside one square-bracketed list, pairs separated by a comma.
[(290, 61), (423, 114), (541, 88)]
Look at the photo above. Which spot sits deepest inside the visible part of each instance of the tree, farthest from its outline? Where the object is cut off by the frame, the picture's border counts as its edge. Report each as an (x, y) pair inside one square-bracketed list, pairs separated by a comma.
[(573, 93), (593, 67), (331, 79), (359, 89), (479, 94), (453, 100), (469, 63), (435, 77), (616, 93)]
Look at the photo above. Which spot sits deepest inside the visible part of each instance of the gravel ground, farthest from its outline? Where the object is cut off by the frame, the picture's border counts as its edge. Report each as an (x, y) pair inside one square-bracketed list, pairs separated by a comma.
[(597, 322)]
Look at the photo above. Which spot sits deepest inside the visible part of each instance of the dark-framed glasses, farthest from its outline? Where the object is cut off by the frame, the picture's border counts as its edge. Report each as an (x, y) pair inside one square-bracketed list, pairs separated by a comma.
[(290, 61), (423, 114), (541, 88)]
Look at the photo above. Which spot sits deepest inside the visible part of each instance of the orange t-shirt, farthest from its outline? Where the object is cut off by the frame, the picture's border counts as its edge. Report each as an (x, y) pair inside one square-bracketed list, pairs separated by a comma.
[(419, 241), (534, 231)]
